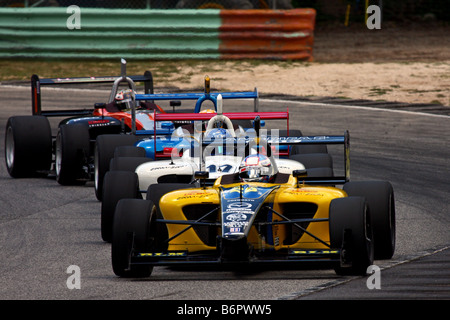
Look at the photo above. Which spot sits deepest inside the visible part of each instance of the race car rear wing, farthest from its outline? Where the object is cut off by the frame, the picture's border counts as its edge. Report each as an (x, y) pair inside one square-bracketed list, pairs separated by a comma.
[(36, 83), (290, 141), (278, 115), (189, 117), (206, 95), (344, 140)]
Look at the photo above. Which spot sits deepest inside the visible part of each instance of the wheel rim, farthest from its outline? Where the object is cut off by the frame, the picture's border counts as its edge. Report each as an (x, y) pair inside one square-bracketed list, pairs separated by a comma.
[(9, 148), (58, 154), (368, 234), (96, 183), (392, 219)]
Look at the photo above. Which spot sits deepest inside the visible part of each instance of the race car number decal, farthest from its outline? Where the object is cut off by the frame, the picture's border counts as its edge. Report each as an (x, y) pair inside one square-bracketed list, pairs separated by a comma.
[(223, 168), (239, 207)]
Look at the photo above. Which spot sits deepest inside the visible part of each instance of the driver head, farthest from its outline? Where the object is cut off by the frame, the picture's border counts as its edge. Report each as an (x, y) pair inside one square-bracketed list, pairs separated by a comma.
[(256, 168), (124, 96)]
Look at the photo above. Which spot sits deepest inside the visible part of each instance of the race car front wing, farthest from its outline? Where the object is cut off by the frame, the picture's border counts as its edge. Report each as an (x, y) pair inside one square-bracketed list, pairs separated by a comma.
[(237, 251), (289, 257)]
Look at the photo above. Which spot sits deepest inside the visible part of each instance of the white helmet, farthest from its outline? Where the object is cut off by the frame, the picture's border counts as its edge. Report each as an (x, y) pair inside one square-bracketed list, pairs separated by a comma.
[(256, 167)]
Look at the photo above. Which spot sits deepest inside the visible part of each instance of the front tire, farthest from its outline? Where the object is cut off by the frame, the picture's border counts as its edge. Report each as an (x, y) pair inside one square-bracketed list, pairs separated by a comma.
[(133, 229), (117, 185), (72, 152), (351, 232)]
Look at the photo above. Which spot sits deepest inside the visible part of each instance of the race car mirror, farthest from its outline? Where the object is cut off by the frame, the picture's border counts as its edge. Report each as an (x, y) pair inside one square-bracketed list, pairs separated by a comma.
[(201, 176), (300, 173), (175, 103), (99, 105), (257, 125), (262, 123)]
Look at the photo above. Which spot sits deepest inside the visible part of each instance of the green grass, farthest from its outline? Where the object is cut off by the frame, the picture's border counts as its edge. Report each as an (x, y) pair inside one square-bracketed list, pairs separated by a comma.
[(18, 69), (162, 70), (379, 91)]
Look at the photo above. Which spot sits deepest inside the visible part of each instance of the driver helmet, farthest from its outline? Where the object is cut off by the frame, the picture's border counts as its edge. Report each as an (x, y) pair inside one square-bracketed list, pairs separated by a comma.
[(219, 134), (256, 168), (208, 111), (124, 96)]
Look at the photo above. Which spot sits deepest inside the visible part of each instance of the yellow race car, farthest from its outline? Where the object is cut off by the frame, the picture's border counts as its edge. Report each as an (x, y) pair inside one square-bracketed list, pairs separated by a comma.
[(257, 215)]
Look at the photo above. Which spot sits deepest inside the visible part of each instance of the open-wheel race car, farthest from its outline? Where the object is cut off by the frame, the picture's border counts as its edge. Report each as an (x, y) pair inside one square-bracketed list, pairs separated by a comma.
[(257, 215), (32, 148)]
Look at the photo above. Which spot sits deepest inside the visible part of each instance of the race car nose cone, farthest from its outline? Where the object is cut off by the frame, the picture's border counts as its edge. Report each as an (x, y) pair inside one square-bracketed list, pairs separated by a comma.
[(234, 248)]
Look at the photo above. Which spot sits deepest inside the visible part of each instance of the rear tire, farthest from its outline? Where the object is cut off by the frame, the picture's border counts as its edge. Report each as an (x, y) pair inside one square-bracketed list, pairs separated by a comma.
[(129, 151), (127, 163), (314, 160), (133, 230), (351, 232), (317, 165), (28, 145), (380, 198), (105, 147)]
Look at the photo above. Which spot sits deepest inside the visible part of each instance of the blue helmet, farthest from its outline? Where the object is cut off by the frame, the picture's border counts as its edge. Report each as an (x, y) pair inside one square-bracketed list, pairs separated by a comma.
[(218, 133)]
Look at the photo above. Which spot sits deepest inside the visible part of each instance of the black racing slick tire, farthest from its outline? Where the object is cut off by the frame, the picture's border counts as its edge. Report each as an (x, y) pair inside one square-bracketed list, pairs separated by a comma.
[(318, 165), (28, 146), (308, 148), (314, 160), (105, 147), (351, 232), (129, 151), (320, 173), (117, 185), (380, 198), (127, 163), (72, 153), (133, 230)]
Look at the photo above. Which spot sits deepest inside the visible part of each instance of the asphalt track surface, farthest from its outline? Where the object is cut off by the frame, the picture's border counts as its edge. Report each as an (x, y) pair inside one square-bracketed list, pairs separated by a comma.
[(45, 227)]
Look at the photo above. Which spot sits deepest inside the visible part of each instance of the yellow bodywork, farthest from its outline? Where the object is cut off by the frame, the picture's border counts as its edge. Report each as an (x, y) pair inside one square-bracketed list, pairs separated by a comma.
[(171, 205)]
